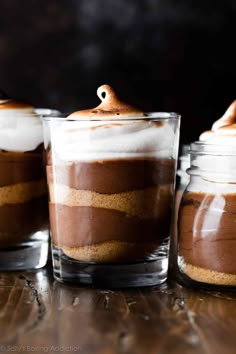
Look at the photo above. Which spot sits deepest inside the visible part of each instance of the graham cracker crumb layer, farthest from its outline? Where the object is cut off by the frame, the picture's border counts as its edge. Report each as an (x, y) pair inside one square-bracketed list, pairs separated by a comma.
[(208, 276), (22, 192), (144, 203), (110, 251)]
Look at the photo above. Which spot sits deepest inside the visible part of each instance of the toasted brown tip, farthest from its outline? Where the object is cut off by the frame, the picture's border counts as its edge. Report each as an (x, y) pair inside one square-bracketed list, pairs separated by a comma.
[(228, 118), (110, 106)]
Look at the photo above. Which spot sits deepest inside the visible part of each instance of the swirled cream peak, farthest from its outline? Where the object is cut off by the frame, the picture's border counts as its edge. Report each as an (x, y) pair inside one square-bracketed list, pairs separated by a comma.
[(20, 126), (110, 107), (112, 130), (218, 159), (224, 129)]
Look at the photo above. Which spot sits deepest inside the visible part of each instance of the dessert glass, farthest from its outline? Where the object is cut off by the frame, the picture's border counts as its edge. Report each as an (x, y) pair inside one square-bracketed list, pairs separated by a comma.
[(24, 228), (111, 186)]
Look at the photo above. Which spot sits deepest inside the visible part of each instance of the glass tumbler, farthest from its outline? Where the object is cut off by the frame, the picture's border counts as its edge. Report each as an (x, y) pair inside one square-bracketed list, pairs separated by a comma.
[(111, 187)]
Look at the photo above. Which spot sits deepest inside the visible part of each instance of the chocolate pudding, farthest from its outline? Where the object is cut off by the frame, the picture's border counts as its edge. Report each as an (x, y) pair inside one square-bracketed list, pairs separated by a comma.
[(110, 183), (109, 214), (23, 193), (23, 196), (208, 249), (207, 217)]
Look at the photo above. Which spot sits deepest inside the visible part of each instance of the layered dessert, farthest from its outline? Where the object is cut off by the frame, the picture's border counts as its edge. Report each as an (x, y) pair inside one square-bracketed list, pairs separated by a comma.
[(110, 173), (207, 218), (23, 192)]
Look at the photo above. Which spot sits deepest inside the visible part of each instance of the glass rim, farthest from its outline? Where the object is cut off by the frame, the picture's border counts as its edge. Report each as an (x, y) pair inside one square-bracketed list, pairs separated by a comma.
[(147, 116)]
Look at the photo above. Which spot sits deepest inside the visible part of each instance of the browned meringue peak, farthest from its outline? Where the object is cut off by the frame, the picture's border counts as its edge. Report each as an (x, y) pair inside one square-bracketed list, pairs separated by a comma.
[(228, 119), (11, 104), (8, 103), (110, 107)]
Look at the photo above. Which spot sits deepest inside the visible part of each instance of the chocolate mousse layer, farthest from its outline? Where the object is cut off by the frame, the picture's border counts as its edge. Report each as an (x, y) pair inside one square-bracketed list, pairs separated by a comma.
[(207, 237), (23, 196), (17, 167), (112, 176), (20, 221), (111, 210)]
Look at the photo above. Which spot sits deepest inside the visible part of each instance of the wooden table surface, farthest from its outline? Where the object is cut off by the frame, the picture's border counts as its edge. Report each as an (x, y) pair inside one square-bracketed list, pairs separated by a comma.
[(40, 315)]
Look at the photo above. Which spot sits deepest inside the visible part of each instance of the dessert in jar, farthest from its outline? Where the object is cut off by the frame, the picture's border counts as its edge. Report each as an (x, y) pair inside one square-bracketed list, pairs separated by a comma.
[(110, 173), (207, 215), (23, 192)]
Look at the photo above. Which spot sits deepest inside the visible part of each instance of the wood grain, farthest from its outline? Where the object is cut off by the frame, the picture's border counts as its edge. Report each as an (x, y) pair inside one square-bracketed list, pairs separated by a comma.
[(38, 314)]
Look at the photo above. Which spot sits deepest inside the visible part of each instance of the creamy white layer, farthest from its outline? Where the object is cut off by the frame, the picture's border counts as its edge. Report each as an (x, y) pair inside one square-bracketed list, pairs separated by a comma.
[(20, 130), (217, 168), (213, 184), (95, 140), (222, 136)]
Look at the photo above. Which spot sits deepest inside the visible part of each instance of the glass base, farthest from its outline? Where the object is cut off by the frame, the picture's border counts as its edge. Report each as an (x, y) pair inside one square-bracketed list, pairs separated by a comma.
[(116, 275), (187, 282), (27, 256)]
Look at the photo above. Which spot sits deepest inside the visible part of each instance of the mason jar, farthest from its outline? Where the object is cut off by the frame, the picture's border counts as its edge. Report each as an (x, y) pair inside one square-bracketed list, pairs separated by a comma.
[(207, 218)]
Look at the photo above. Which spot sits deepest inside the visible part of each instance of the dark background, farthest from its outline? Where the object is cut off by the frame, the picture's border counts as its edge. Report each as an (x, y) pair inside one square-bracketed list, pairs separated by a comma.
[(162, 55)]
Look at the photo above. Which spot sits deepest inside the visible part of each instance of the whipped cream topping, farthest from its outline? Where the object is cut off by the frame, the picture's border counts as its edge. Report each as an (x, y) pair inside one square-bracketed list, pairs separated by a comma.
[(208, 185), (109, 140), (20, 126), (111, 130)]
